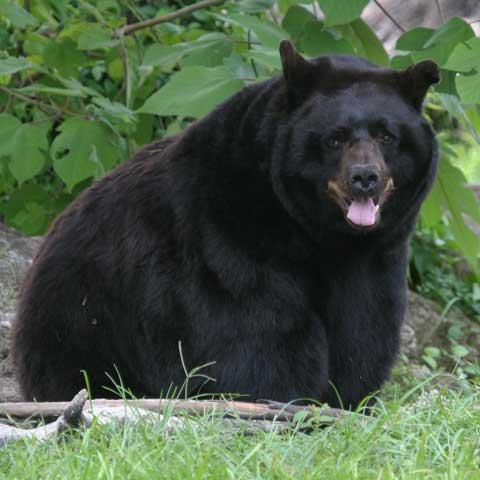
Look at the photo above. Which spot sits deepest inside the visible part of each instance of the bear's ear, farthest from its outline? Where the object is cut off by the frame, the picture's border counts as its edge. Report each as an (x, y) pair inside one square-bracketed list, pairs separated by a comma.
[(416, 80), (297, 71)]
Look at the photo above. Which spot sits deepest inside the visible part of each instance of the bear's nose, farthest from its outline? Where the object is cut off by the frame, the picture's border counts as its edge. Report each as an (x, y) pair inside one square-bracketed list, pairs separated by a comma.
[(364, 179)]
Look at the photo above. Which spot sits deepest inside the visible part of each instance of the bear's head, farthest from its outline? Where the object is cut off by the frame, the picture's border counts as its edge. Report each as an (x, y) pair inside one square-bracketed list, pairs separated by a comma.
[(353, 152)]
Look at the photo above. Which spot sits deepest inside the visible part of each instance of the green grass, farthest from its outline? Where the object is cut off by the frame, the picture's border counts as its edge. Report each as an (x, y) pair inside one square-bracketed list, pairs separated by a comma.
[(427, 434)]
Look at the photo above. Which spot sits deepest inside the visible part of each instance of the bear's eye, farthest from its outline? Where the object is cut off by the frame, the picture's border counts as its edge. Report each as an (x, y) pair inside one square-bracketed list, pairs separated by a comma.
[(334, 142), (386, 138)]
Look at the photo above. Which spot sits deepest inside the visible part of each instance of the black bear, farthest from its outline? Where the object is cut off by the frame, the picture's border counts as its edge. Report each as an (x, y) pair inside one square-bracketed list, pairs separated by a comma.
[(268, 242)]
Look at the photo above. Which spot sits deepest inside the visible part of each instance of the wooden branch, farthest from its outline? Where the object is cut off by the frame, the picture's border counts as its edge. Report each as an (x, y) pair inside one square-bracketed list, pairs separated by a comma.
[(385, 11), (232, 409), (239, 417), (128, 29)]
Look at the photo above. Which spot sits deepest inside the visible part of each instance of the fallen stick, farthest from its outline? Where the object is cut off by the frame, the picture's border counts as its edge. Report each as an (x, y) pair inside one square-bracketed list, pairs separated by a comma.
[(241, 417), (242, 410)]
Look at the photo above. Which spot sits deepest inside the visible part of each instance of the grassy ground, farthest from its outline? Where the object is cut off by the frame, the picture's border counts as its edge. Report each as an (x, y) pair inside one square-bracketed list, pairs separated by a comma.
[(423, 433)]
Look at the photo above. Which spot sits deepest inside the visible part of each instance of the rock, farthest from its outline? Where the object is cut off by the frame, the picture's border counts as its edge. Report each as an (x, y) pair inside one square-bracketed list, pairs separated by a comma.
[(422, 316), (8, 386), (16, 254), (426, 326)]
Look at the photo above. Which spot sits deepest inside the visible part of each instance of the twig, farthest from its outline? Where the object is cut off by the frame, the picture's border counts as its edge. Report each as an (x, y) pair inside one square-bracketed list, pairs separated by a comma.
[(128, 29), (442, 18), (274, 16), (141, 18), (56, 110), (40, 105), (249, 43), (382, 8), (71, 416)]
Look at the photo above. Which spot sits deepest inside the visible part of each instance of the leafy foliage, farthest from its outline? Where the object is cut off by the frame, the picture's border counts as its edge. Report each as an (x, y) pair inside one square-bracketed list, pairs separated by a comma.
[(78, 96), (203, 87), (440, 274)]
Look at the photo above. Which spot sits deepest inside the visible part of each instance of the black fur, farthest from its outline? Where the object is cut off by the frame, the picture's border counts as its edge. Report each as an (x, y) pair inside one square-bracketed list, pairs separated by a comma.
[(224, 239)]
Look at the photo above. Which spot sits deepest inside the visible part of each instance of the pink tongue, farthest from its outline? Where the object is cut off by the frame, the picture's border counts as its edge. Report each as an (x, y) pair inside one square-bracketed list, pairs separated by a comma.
[(362, 212)]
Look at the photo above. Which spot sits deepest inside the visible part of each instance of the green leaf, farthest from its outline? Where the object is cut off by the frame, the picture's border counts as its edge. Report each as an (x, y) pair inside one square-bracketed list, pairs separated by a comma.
[(339, 12), (52, 12), (211, 55), (460, 351), (438, 53), (12, 65), (144, 131), (95, 37), (238, 66), (17, 15), (447, 83), (76, 85), (414, 39), (193, 92), (269, 34), (267, 57), (457, 199), (284, 5), (27, 148), (73, 148), (24, 144), (433, 352), (431, 362), (450, 33), (208, 50), (24, 209), (295, 20), (317, 41), (364, 40), (115, 109), (166, 57), (254, 6), (34, 43), (440, 44), (476, 292), (468, 88), (8, 125), (64, 57), (431, 213), (63, 92), (465, 56), (174, 128), (93, 158), (399, 62), (452, 104)]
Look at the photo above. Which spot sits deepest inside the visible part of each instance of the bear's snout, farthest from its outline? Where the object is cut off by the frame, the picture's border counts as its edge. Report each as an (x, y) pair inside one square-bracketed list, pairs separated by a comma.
[(364, 180)]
